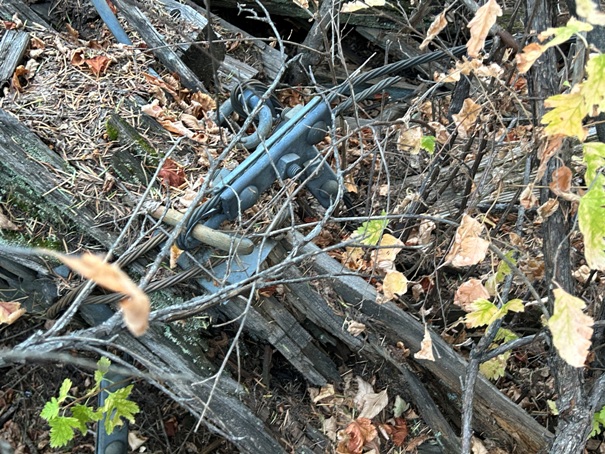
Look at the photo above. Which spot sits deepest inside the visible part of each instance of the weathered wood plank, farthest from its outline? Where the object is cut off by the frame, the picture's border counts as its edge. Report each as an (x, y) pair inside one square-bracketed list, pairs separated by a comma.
[(12, 48), (281, 330), (163, 52), (230, 71), (9, 8), (496, 415), (191, 384), (22, 156)]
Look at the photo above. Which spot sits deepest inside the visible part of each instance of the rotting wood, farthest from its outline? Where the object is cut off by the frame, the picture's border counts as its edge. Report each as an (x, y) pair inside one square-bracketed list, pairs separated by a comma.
[(12, 48), (305, 300), (495, 415), (158, 45), (271, 59), (23, 154), (10, 8), (230, 70), (270, 323)]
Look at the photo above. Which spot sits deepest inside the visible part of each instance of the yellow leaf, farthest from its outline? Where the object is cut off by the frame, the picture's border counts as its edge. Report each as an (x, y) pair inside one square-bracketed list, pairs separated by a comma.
[(594, 87), (571, 329), (483, 313), (438, 24), (484, 19), (468, 248), (394, 283), (426, 347), (588, 10), (568, 111), (494, 368), (135, 307)]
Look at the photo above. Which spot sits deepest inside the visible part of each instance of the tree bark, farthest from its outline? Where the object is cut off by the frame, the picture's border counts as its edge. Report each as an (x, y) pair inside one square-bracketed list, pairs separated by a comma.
[(574, 409)]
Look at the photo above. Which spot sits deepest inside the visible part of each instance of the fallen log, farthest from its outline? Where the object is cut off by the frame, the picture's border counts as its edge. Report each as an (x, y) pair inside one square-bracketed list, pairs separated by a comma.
[(497, 417)]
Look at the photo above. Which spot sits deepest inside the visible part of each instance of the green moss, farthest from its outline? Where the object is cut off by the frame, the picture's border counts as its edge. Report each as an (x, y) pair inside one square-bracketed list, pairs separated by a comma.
[(185, 333), (112, 132), (16, 238)]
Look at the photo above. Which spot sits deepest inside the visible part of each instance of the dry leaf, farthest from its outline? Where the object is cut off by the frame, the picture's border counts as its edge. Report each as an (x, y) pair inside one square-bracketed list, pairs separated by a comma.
[(561, 180), (548, 149), (135, 441), (302, 3), (469, 292), (528, 199), (477, 446), (351, 7), (528, 57), (548, 208), (329, 426), (356, 435), (326, 392), (367, 401), (468, 248), (176, 127), (425, 230), (426, 347), (389, 247), (561, 184), (19, 80), (373, 404), (400, 432), (355, 328), (394, 283), (10, 311), (206, 102), (467, 117), (438, 24), (154, 109), (98, 65), (479, 26), (6, 223), (72, 31), (582, 274), (409, 140), (441, 133), (350, 184), (191, 122), (172, 174), (175, 253), (135, 307), (492, 70), (465, 67)]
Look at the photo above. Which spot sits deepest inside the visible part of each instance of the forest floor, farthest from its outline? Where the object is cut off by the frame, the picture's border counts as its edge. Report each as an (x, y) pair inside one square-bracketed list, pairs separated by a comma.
[(76, 76)]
